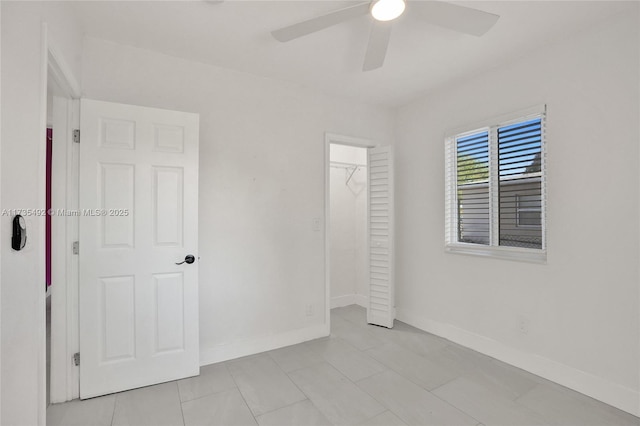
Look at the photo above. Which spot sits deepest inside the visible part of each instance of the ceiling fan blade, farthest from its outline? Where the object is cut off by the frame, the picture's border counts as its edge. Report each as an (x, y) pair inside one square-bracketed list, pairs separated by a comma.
[(316, 24), (458, 18), (377, 47)]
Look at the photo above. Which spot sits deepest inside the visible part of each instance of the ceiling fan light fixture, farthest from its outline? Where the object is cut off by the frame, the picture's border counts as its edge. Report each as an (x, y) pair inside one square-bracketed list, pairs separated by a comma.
[(387, 10)]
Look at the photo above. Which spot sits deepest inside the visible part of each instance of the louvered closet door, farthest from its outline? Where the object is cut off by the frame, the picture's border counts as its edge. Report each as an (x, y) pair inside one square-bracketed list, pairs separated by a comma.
[(381, 308), (138, 308)]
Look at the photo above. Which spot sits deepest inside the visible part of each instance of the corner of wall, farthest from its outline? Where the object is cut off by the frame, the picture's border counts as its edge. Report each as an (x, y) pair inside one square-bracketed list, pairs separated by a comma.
[(261, 344), (349, 299)]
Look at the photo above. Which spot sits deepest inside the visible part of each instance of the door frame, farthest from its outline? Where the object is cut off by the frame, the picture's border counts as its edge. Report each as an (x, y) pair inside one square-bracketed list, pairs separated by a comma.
[(334, 138), (64, 379)]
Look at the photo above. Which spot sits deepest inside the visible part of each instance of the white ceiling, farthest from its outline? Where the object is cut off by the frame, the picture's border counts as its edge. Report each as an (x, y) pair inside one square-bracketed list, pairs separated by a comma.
[(421, 57)]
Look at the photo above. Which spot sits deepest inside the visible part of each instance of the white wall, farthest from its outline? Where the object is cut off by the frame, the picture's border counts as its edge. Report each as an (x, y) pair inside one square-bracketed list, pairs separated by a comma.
[(1, 234), (348, 225), (582, 306), (23, 161), (261, 185)]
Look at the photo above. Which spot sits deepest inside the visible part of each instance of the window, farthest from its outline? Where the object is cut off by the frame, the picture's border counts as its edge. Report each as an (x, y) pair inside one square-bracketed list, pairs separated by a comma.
[(496, 188), (528, 211)]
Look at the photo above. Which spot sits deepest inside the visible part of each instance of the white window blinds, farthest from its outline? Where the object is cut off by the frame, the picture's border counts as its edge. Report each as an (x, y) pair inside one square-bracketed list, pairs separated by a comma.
[(472, 159), (520, 189), (496, 186)]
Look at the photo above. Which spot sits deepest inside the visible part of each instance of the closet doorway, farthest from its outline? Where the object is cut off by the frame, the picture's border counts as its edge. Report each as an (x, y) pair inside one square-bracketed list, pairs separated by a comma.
[(359, 227), (348, 225)]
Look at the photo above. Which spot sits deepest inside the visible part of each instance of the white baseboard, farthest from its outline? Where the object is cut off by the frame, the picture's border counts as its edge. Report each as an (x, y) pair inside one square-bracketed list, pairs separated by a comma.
[(361, 300), (261, 344), (340, 301), (349, 299), (589, 384)]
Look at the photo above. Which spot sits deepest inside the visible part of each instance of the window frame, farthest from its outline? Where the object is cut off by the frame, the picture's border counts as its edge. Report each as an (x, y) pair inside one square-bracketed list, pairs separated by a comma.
[(526, 210), (493, 250)]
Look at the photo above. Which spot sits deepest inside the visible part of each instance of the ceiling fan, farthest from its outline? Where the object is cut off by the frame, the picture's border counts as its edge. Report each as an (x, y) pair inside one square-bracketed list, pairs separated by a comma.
[(384, 12)]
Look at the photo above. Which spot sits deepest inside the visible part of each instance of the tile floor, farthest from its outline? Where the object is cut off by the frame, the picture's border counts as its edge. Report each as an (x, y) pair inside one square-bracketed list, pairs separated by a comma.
[(361, 375)]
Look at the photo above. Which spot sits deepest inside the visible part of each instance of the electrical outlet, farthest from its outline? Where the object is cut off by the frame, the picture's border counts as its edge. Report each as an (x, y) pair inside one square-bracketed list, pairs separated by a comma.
[(315, 224), (309, 310)]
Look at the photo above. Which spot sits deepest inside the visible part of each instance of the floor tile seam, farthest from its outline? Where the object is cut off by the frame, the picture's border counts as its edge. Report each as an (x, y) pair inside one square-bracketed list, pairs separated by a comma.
[(379, 414), (457, 376), (299, 388), (362, 378), (209, 394), (426, 390), (210, 373), (427, 357), (441, 385), (387, 408), (372, 376), (246, 404), (184, 423), (352, 322), (79, 401), (365, 331), (311, 400), (307, 397), (298, 368), (305, 366), (453, 406), (402, 375), (115, 405), (507, 400), (576, 396), (269, 354), (352, 347), (233, 377), (542, 415), (284, 406), (289, 377), (255, 416), (517, 400), (535, 410), (113, 413), (469, 377)]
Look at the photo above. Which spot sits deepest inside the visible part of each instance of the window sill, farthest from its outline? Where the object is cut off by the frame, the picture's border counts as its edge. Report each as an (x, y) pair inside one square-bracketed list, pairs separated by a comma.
[(506, 253)]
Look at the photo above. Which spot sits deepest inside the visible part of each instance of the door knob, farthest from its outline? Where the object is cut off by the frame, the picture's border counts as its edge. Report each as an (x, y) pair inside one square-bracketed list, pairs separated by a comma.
[(189, 259)]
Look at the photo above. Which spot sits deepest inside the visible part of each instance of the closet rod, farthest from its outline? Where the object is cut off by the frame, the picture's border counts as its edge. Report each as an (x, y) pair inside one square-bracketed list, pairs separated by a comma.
[(346, 165)]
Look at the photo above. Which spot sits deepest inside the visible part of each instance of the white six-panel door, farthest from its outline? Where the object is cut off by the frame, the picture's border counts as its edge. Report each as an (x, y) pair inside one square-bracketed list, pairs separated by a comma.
[(381, 308), (139, 217)]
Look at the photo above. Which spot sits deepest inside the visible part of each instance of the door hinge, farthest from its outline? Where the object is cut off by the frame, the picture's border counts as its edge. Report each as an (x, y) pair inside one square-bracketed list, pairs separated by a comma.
[(76, 358), (76, 247), (76, 135)]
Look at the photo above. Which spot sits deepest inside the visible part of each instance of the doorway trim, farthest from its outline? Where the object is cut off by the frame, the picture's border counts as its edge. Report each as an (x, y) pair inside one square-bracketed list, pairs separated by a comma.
[(64, 379), (333, 138)]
